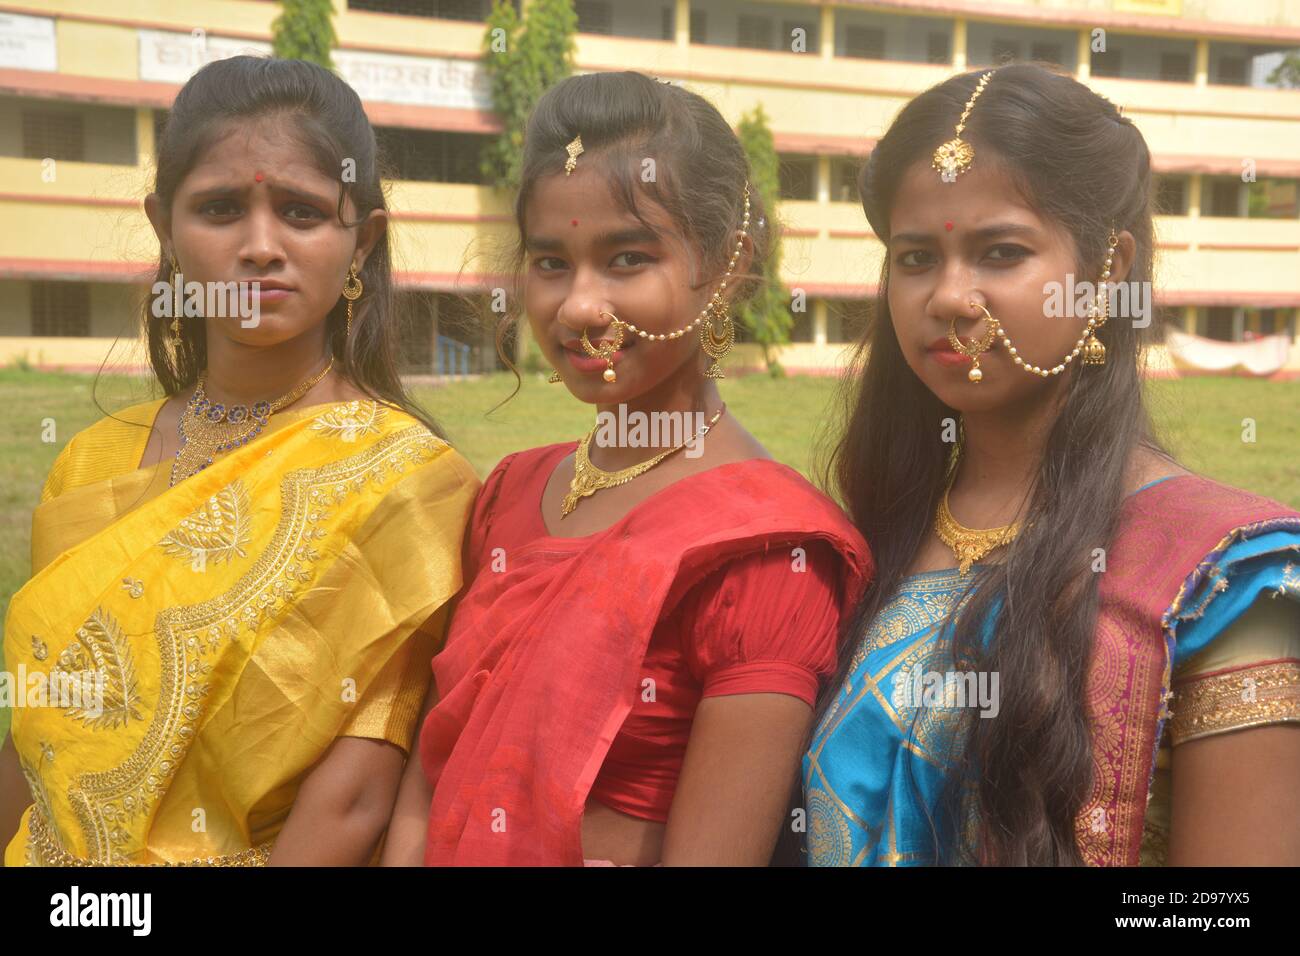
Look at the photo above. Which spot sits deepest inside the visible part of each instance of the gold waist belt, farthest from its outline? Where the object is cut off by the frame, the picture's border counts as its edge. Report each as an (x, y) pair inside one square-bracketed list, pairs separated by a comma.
[(47, 851)]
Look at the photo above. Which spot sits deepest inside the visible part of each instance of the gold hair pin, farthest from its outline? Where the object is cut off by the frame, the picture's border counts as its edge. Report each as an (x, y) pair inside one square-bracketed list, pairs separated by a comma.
[(956, 156), (574, 150)]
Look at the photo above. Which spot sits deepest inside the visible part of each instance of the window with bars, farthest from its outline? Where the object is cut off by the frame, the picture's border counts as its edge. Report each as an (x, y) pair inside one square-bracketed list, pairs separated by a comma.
[(1224, 196), (1171, 196), (60, 309), (1110, 63), (431, 155), (54, 134), (1231, 71), (1005, 51), (1175, 67), (699, 26), (847, 320), (595, 16), (1221, 324), (754, 33), (867, 43), (435, 9), (844, 179), (1045, 52), (936, 47), (798, 177), (809, 34)]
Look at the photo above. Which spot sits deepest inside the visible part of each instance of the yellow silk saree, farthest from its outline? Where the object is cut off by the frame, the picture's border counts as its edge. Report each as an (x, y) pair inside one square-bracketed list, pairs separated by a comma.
[(238, 623)]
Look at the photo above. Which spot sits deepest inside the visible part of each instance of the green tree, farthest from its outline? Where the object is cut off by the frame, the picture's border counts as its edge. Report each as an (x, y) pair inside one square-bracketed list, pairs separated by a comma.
[(304, 30), (1287, 72), (766, 317), (523, 58)]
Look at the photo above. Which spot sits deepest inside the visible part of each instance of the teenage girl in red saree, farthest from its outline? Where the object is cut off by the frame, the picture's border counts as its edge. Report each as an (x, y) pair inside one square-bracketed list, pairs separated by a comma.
[(629, 678)]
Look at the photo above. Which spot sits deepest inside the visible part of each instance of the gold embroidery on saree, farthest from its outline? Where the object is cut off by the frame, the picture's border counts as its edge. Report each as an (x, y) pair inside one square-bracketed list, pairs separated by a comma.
[(100, 656), (1246, 697), (40, 650), (829, 840), (350, 420), (217, 531), (108, 803)]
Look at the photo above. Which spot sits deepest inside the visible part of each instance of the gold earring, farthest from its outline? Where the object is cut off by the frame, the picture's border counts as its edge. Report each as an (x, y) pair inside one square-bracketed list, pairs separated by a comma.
[(1094, 352), (1092, 349), (351, 292), (555, 377), (177, 300), (717, 344)]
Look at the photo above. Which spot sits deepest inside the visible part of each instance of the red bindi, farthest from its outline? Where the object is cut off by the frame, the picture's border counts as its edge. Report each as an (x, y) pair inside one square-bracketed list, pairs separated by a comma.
[(573, 222), (948, 225), (258, 177)]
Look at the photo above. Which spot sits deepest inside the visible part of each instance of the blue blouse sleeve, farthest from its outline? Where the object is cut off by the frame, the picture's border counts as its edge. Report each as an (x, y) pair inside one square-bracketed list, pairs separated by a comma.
[(1247, 569)]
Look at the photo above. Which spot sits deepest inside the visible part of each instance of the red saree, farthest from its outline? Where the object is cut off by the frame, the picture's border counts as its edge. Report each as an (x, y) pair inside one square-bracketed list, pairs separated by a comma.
[(1170, 539), (542, 660)]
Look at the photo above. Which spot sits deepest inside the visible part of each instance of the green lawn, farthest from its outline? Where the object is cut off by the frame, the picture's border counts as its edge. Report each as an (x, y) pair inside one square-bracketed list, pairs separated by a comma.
[(1200, 420)]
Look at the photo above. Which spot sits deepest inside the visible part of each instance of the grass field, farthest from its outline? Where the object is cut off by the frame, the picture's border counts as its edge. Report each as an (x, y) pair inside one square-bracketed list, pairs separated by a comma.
[(1201, 421)]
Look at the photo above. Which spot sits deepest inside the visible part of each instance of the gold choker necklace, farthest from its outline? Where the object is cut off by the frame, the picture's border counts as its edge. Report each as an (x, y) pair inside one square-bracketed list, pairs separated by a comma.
[(588, 479), (969, 544), (207, 428)]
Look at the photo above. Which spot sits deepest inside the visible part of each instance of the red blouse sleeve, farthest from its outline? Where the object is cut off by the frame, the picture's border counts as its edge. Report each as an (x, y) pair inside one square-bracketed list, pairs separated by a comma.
[(761, 625), (481, 519)]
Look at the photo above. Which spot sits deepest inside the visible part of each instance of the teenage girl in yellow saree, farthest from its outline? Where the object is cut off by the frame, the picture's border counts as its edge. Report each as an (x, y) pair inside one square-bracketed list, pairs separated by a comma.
[(255, 568)]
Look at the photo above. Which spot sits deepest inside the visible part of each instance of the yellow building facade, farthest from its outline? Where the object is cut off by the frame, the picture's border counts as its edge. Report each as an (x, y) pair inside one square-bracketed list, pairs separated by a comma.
[(85, 85)]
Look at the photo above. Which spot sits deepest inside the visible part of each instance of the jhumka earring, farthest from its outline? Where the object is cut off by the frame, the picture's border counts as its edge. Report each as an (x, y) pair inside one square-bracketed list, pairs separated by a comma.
[(717, 343), (351, 292)]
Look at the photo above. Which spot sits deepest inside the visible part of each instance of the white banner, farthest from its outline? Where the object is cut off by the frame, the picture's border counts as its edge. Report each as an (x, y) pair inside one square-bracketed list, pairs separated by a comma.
[(415, 80), (1261, 356), (27, 43), (168, 57)]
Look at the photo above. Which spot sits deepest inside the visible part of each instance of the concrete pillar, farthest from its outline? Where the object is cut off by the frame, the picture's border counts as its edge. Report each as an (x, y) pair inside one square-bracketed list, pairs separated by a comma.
[(1202, 62)]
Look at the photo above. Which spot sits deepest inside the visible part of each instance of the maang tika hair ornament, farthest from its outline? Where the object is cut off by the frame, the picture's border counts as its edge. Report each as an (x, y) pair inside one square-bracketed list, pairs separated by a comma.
[(955, 157)]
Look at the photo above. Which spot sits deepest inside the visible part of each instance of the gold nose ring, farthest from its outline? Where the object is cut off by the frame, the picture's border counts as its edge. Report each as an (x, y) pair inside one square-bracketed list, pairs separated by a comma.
[(606, 349), (973, 350)]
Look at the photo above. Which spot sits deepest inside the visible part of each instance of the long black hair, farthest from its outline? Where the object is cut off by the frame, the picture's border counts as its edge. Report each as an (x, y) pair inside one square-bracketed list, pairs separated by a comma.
[(324, 115), (1024, 776)]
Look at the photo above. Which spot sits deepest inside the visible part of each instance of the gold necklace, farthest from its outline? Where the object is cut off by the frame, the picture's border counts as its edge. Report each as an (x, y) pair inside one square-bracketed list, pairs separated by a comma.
[(968, 544), (214, 429), (588, 479)]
